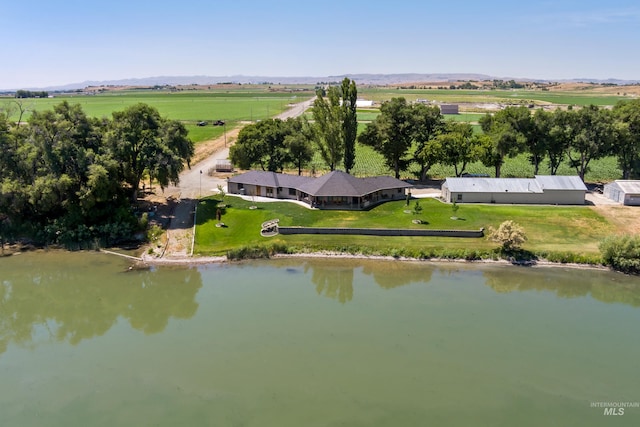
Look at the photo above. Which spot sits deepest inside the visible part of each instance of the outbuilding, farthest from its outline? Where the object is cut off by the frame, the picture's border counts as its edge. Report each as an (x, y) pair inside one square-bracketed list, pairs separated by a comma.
[(626, 192), (543, 189)]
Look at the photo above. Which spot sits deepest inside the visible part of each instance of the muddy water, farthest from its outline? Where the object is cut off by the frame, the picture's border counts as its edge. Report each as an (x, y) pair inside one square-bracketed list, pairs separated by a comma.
[(85, 342)]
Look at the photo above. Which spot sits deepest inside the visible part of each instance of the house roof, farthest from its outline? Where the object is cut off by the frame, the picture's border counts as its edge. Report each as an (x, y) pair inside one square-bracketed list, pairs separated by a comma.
[(515, 185), (335, 183), (270, 179), (628, 186)]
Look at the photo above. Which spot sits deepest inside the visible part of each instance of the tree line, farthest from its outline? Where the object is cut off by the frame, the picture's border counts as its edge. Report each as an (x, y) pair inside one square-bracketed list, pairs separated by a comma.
[(67, 178), (407, 134)]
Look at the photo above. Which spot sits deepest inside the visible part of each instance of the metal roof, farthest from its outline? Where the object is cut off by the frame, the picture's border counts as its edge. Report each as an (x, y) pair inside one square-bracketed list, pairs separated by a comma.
[(493, 185), (628, 186), (515, 185), (560, 182)]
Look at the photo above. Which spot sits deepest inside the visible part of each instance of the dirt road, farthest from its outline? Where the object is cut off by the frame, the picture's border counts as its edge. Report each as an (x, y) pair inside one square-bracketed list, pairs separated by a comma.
[(196, 183)]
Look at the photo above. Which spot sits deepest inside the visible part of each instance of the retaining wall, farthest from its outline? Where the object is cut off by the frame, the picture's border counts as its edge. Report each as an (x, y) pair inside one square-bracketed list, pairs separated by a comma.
[(382, 231)]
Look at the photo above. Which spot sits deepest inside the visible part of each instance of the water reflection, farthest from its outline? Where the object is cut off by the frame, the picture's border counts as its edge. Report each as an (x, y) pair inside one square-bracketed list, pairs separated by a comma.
[(603, 286), (334, 278), (82, 301)]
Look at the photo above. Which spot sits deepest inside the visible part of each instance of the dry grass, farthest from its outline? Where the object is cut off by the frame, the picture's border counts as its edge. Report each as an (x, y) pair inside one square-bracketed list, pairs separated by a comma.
[(625, 218)]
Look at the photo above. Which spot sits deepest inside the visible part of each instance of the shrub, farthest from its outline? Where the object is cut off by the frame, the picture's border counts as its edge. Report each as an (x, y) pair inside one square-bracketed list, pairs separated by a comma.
[(621, 253), (509, 234)]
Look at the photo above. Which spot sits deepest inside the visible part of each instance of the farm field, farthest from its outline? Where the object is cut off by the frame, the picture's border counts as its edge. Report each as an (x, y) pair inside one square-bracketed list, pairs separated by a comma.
[(518, 96), (189, 107), (549, 228)]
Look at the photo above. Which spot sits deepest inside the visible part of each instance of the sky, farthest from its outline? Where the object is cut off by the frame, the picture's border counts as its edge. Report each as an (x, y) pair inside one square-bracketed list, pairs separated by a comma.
[(56, 42)]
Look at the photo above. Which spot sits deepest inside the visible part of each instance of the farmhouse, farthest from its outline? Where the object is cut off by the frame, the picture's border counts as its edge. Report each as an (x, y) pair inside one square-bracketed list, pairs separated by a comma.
[(335, 190), (626, 192), (554, 190)]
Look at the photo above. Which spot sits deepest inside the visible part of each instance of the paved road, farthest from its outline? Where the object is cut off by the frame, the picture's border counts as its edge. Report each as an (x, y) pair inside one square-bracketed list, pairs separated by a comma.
[(196, 183)]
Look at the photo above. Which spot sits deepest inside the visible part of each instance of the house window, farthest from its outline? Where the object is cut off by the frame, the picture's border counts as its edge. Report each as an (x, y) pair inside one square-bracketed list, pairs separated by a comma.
[(292, 191), (399, 190), (459, 197), (269, 192), (240, 186)]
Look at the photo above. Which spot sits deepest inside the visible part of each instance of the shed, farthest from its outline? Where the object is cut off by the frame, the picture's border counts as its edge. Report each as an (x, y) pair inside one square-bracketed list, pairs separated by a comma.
[(555, 190), (626, 192), (449, 109)]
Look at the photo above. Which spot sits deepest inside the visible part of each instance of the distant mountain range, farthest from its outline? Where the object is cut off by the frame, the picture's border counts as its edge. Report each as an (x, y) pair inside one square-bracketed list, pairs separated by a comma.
[(362, 79)]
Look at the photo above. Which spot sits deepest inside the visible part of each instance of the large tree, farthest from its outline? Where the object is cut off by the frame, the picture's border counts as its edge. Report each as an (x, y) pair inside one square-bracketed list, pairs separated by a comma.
[(298, 142), (349, 120), (427, 122), (145, 143), (506, 130), (592, 139), (459, 146), (262, 145), (391, 134), (627, 147), (327, 127)]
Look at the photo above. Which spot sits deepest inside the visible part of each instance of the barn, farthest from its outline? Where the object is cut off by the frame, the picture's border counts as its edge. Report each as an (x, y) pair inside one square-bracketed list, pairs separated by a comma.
[(543, 189), (626, 192)]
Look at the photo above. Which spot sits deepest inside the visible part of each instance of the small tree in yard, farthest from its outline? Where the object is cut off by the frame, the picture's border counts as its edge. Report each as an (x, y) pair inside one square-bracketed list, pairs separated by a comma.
[(417, 209), (454, 209), (509, 234), (221, 192)]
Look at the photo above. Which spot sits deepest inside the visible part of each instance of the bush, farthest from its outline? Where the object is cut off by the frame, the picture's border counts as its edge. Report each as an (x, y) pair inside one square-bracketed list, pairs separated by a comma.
[(621, 253), (509, 234)]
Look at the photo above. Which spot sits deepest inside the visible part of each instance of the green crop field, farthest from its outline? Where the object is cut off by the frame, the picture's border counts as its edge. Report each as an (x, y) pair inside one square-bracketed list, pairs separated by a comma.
[(189, 107)]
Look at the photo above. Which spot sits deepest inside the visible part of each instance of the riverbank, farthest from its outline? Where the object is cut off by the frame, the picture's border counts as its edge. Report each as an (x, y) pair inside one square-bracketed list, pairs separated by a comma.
[(197, 260)]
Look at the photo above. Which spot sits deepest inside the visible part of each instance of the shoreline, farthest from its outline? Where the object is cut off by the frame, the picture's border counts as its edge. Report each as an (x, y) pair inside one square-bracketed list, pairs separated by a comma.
[(189, 261)]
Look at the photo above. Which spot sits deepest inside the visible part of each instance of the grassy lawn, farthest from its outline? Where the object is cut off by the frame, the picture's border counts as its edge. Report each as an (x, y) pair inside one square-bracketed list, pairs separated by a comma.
[(549, 228)]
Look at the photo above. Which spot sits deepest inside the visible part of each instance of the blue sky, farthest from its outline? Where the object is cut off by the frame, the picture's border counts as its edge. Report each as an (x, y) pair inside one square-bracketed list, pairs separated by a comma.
[(54, 42)]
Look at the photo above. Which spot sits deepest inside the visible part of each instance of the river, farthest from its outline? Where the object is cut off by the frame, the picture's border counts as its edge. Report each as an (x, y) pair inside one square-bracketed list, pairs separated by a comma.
[(84, 341)]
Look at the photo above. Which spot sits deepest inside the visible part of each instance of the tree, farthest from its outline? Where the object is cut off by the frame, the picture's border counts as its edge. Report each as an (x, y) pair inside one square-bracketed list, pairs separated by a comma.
[(391, 134), (143, 142), (561, 132), (506, 131), (538, 138), (426, 123), (459, 146), (509, 234), (349, 120), (271, 144), (592, 139), (627, 147), (328, 127), (298, 142)]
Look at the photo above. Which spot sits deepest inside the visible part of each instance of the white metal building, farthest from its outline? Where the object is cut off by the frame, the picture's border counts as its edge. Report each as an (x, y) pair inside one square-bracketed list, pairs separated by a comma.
[(626, 192), (543, 189)]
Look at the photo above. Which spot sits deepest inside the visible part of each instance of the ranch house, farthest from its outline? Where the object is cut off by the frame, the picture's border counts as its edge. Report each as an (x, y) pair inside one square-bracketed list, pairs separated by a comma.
[(335, 190), (543, 189)]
